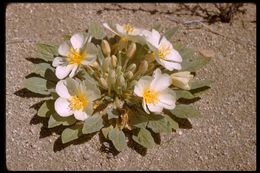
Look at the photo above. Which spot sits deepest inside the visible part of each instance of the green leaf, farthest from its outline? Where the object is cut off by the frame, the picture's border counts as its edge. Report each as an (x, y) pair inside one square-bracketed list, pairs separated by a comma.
[(185, 111), (144, 138), (160, 125), (92, 124), (53, 122), (112, 113), (183, 94), (106, 130), (200, 83), (100, 55), (96, 30), (172, 123), (36, 85), (169, 33), (56, 120), (46, 109), (45, 70), (71, 133), (47, 51), (137, 119), (118, 138), (194, 63)]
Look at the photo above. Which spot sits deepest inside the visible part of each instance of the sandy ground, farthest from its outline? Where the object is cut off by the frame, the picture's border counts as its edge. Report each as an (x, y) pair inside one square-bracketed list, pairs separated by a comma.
[(223, 138)]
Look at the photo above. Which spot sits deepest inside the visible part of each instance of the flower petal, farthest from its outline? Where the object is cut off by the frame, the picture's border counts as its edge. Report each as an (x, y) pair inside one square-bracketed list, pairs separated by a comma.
[(62, 107), (154, 107), (167, 99), (153, 38), (77, 40), (58, 61), (80, 115), (120, 29), (168, 64), (72, 86), (63, 71), (174, 56), (73, 71), (142, 83), (64, 49), (145, 107), (165, 42), (89, 108), (62, 90), (160, 81), (109, 28), (89, 59)]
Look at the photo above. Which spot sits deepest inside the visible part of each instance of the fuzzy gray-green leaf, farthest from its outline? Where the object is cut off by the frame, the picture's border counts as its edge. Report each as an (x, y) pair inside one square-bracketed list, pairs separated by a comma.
[(71, 133), (46, 108), (193, 63), (160, 125), (36, 85), (172, 123), (137, 119), (106, 130), (118, 138), (56, 120), (183, 94), (144, 138), (169, 33), (185, 111), (96, 30), (47, 51), (200, 83), (92, 124)]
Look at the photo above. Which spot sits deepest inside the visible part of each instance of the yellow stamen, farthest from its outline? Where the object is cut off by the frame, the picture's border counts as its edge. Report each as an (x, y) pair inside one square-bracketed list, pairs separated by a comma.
[(75, 56), (164, 50), (124, 39), (150, 96), (78, 102), (128, 28)]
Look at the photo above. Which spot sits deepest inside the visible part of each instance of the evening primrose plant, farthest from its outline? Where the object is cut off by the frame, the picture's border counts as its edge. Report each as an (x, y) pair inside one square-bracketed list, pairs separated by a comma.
[(127, 87)]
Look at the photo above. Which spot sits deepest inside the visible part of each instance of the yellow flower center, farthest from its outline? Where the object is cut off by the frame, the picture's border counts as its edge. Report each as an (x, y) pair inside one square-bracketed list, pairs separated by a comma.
[(75, 56), (128, 28), (78, 102), (124, 39), (164, 50), (150, 96)]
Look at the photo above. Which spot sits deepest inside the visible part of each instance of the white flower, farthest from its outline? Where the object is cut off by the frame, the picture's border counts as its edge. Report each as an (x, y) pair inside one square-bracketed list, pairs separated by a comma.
[(181, 79), (155, 92), (73, 53), (163, 50), (76, 98), (127, 32)]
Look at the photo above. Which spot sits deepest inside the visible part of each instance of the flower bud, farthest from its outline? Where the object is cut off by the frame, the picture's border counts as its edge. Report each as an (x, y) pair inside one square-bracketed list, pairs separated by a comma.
[(114, 60), (129, 75), (112, 77), (150, 57), (106, 64), (143, 67), (119, 70), (105, 48), (121, 81), (94, 64), (131, 50), (181, 79), (103, 83), (131, 68)]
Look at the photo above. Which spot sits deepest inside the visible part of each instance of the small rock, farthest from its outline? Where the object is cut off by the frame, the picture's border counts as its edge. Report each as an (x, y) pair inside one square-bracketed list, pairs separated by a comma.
[(207, 53)]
